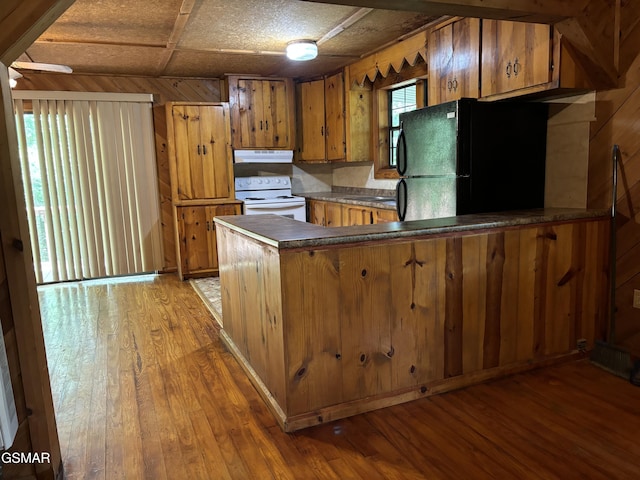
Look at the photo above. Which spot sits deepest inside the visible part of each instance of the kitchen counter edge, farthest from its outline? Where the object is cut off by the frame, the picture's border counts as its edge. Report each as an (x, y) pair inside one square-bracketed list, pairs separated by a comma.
[(351, 199), (285, 233)]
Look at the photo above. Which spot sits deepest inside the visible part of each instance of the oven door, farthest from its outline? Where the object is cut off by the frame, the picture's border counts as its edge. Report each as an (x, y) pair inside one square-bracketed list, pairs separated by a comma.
[(295, 210)]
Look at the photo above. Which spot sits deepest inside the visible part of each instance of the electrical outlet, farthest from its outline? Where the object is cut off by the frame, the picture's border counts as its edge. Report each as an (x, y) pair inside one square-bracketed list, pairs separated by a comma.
[(636, 299)]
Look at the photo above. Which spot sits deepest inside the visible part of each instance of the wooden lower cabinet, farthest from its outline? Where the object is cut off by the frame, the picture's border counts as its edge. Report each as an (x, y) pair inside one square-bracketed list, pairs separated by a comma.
[(385, 216), (197, 251), (355, 215), (334, 214)]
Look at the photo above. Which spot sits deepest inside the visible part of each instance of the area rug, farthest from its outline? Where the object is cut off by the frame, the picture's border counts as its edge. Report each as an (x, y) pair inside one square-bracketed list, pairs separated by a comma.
[(209, 291)]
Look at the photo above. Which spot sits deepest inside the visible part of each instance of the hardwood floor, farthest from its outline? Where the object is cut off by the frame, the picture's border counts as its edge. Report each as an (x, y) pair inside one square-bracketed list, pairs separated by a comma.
[(144, 389)]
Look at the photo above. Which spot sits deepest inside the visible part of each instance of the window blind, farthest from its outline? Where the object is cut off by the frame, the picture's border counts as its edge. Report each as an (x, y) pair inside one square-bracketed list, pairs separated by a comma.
[(91, 184)]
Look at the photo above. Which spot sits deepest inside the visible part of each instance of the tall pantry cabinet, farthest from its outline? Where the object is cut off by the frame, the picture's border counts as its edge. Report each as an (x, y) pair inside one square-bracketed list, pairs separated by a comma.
[(201, 170)]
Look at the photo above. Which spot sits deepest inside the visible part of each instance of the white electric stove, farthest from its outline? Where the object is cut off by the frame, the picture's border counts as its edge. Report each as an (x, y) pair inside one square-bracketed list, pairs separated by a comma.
[(270, 194)]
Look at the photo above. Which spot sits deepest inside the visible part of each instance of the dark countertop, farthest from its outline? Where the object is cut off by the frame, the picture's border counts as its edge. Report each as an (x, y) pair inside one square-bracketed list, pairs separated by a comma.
[(388, 203), (283, 233)]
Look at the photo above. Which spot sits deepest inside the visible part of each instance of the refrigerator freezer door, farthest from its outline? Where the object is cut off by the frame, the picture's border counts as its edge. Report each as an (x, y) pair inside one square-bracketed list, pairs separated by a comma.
[(430, 141), (430, 197)]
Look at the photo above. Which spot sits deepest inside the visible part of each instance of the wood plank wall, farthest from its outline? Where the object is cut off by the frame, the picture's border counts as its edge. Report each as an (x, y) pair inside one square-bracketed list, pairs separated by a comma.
[(22, 442), (387, 318), (163, 90), (618, 114), (336, 330)]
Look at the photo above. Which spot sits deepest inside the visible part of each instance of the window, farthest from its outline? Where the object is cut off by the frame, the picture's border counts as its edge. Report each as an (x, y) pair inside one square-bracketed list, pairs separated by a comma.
[(402, 99), (393, 95)]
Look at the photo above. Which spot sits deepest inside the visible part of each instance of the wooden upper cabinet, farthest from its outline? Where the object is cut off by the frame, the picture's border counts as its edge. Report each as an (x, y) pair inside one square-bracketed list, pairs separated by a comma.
[(334, 120), (335, 117), (515, 56), (311, 128), (321, 135), (261, 112), (454, 61), (200, 155)]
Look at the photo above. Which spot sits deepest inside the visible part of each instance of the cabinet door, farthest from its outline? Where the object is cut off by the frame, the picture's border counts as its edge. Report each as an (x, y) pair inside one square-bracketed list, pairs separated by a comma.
[(188, 164), (197, 236), (312, 134), (276, 113), (215, 138), (197, 243), (454, 61), (333, 214), (515, 55), (385, 216), (334, 117), (356, 216), (263, 114), (202, 152), (317, 212), (217, 211)]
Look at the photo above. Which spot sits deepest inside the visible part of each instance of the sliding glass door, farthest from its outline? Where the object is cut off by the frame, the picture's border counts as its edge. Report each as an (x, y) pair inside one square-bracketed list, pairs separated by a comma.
[(88, 166)]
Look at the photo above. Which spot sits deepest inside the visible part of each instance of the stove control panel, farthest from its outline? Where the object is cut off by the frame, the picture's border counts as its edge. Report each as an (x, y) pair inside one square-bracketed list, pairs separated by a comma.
[(262, 183)]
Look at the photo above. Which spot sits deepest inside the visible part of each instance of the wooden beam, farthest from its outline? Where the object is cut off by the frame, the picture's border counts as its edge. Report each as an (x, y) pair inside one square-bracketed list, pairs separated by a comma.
[(16, 246), (595, 36), (174, 38), (22, 22), (541, 11)]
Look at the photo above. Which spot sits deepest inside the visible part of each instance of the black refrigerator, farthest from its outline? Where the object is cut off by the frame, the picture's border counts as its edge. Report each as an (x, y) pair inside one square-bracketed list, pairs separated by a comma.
[(469, 156)]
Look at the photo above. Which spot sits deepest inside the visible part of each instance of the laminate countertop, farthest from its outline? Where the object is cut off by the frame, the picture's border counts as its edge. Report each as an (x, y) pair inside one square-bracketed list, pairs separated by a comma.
[(285, 233), (385, 202)]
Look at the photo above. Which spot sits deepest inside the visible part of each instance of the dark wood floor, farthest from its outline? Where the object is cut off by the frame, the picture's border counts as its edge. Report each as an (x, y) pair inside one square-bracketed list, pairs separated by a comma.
[(143, 388)]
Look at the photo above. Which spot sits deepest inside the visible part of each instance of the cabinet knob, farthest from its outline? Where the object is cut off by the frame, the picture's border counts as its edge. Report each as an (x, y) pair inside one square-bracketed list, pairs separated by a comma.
[(449, 85), (455, 84)]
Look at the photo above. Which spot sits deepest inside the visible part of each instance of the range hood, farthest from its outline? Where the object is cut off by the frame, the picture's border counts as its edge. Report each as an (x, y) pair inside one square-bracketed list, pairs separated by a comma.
[(263, 156)]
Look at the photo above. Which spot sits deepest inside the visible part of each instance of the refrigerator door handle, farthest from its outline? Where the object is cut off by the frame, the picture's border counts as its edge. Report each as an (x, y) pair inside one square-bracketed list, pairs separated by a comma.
[(401, 199), (401, 152)]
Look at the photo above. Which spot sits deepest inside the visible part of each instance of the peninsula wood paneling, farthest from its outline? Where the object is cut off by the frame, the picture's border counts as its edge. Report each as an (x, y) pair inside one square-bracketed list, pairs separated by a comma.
[(369, 325), (617, 123), (163, 90)]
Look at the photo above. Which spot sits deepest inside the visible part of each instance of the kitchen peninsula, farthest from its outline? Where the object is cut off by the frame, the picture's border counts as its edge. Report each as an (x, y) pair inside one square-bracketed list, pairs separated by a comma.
[(332, 322)]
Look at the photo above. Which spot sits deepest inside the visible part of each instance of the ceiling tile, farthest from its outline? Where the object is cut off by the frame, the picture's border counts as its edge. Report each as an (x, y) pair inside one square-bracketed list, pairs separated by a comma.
[(142, 22), (100, 58)]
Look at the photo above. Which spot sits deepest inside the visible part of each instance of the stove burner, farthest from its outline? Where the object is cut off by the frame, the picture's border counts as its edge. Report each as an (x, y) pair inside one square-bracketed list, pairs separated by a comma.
[(284, 196)]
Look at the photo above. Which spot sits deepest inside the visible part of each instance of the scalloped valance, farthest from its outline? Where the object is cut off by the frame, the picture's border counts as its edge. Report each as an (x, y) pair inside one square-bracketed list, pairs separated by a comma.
[(393, 57)]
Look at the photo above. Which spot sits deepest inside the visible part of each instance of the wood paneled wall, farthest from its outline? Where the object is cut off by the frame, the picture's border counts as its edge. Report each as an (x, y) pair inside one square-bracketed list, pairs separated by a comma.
[(164, 90), (341, 330), (618, 115), (22, 442)]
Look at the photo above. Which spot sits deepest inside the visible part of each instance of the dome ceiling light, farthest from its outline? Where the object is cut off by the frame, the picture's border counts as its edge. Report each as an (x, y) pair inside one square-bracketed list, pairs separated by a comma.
[(302, 50)]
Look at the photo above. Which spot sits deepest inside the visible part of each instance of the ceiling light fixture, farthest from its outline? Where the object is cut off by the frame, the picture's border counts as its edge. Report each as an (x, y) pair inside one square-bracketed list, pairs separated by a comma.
[(13, 83), (302, 50)]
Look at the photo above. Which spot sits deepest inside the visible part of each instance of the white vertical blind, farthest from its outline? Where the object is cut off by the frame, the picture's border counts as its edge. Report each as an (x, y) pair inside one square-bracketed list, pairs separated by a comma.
[(91, 184)]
